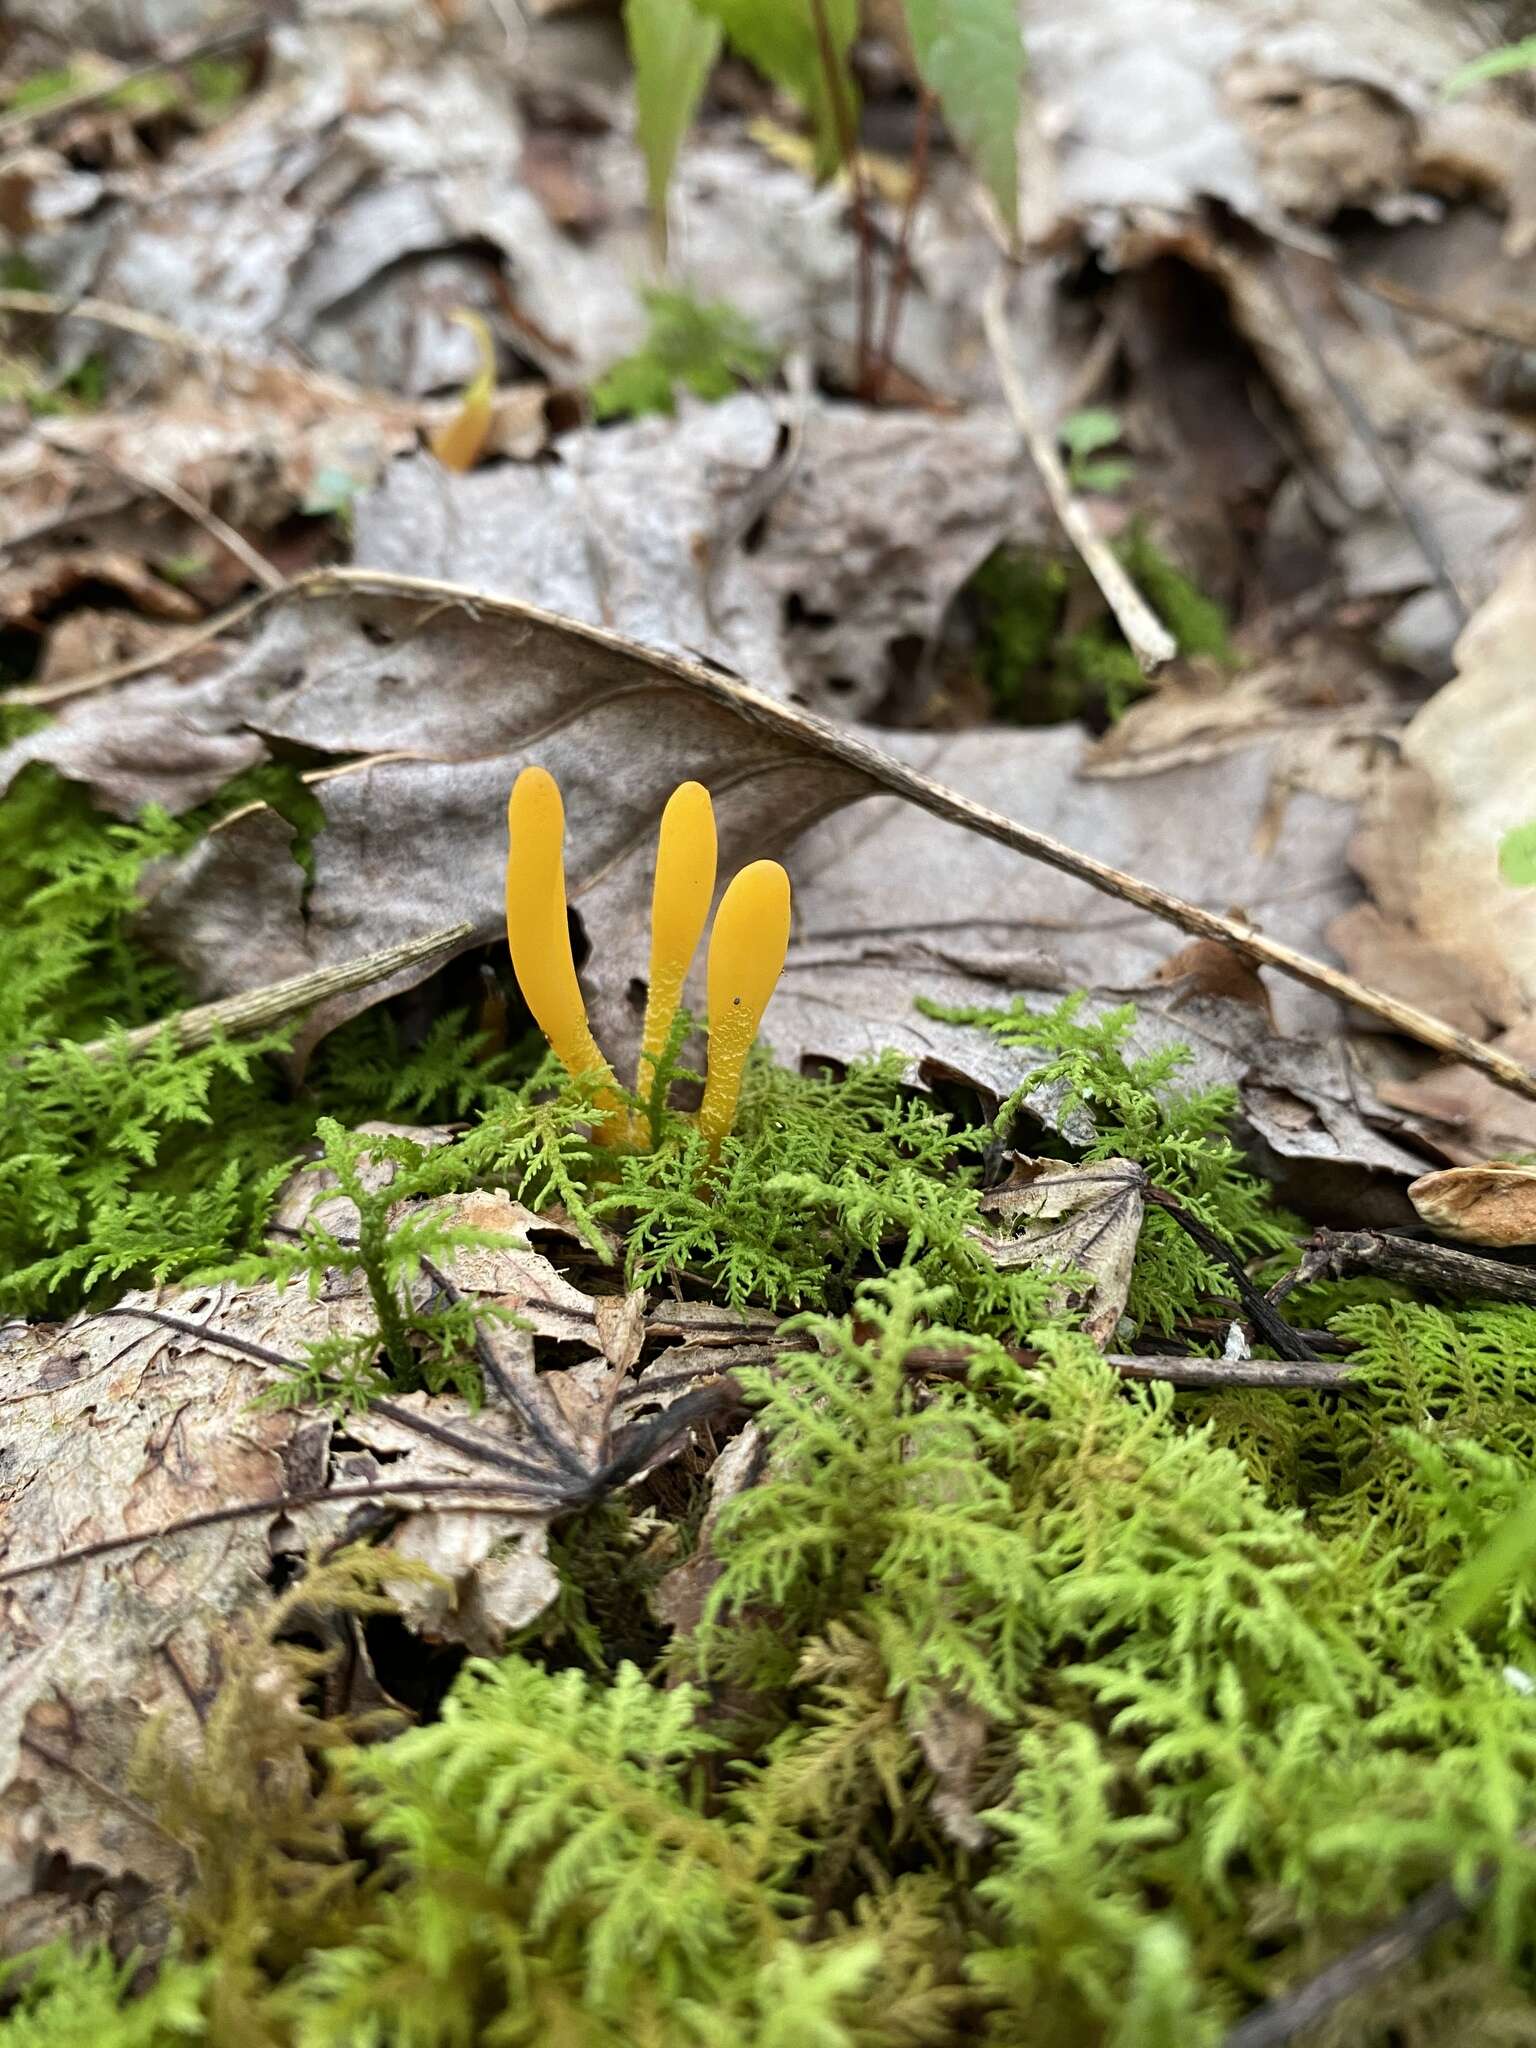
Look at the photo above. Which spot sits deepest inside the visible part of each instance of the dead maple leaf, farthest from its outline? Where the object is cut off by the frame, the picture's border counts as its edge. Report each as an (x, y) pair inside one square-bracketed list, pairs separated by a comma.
[(1081, 1220)]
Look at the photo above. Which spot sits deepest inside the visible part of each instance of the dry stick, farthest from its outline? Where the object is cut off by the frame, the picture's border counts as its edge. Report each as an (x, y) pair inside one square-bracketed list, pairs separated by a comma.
[(106, 313), (1363, 427), (258, 1008), (172, 648), (848, 149), (217, 529), (473, 1448), (1482, 326), (1420, 1263), (884, 772), (494, 1490), (232, 37), (1398, 1943), (1150, 641), (896, 290)]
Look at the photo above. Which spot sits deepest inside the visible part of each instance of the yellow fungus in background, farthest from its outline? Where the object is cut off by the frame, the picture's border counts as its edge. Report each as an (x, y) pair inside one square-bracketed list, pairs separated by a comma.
[(537, 932), (459, 442), (746, 957), (680, 899)]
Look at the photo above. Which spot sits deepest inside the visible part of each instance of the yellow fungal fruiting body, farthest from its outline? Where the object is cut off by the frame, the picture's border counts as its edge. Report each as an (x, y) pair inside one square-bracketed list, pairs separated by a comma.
[(538, 934), (746, 957), (680, 900)]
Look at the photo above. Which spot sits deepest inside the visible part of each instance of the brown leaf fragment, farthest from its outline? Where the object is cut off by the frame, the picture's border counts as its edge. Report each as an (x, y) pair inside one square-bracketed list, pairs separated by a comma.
[(680, 1597), (953, 1738), (1083, 1220), (1492, 1204)]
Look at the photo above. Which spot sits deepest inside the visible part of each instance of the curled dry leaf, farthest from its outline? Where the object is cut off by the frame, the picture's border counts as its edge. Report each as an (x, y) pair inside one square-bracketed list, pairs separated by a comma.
[(1493, 1204), (1442, 917), (1083, 1220)]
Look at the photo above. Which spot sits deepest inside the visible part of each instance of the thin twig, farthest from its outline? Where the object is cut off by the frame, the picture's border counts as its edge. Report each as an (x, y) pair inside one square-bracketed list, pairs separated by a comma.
[(496, 1490), (1482, 326), (1397, 1944), (885, 772), (896, 289), (235, 36), (258, 1009), (1440, 1267), (848, 149), (1412, 514), (1150, 641), (156, 484), (161, 655)]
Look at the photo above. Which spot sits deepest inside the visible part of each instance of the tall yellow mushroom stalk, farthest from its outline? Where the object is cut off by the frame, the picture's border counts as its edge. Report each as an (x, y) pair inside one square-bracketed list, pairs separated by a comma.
[(686, 854), (746, 949), (746, 958), (539, 932)]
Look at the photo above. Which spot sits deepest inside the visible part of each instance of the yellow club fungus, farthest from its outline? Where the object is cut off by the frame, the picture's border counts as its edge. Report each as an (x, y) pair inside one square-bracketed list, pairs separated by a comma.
[(538, 934), (680, 900), (746, 948), (746, 957)]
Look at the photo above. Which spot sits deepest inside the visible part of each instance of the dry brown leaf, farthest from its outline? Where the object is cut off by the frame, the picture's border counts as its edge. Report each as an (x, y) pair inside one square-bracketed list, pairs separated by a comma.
[(1463, 1114), (1232, 100), (1430, 853), (952, 1735), (1080, 1219), (1493, 1204), (115, 1426), (636, 529), (679, 1598)]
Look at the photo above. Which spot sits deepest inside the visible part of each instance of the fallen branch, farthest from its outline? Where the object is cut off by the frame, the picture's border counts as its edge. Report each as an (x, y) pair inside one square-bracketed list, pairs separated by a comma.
[(154, 484), (1397, 1944), (258, 1009), (1418, 1262), (1150, 641)]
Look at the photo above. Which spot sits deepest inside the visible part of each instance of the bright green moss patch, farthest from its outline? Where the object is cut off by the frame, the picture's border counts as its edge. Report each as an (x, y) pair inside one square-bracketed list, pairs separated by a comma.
[(1036, 672)]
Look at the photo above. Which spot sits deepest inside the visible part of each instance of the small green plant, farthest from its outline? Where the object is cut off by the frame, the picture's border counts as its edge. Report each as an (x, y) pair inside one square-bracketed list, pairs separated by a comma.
[(1517, 856), (1086, 436), (1501, 63), (389, 1182), (710, 350)]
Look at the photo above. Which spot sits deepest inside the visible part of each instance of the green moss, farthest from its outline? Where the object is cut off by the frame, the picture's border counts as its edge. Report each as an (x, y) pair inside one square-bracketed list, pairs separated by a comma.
[(710, 350), (1038, 673)]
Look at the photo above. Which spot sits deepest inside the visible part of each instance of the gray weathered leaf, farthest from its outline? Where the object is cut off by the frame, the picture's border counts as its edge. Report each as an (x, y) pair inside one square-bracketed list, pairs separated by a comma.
[(1080, 1219)]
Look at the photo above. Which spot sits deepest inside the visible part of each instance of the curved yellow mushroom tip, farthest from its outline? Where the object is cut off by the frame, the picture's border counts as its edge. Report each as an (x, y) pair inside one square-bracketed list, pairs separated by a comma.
[(686, 851), (538, 935), (746, 957)]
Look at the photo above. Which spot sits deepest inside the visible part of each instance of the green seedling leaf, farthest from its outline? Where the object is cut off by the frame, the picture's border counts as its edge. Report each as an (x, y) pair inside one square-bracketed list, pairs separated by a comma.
[(1499, 63), (781, 38), (1517, 856), (673, 47), (1086, 432), (330, 494), (1105, 477), (44, 87), (971, 54)]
